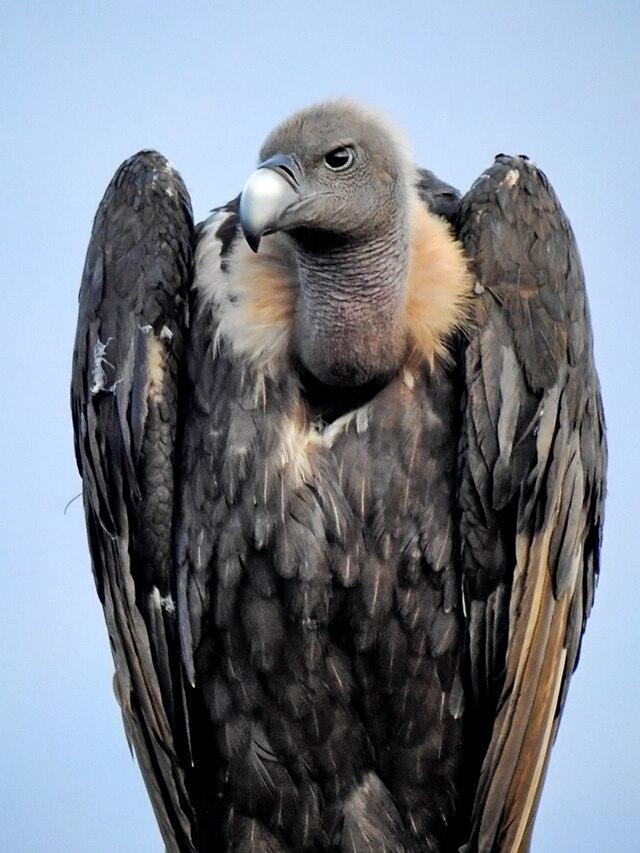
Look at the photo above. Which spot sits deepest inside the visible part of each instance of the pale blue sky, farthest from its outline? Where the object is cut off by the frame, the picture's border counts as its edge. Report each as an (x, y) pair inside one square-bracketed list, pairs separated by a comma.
[(84, 85)]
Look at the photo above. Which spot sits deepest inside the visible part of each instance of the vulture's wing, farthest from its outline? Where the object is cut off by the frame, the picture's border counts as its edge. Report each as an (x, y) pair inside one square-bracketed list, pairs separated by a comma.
[(124, 389), (440, 197), (532, 486)]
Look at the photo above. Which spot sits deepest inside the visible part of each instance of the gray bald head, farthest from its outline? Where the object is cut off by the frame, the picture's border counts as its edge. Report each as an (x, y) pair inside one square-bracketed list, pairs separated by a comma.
[(355, 166), (339, 185)]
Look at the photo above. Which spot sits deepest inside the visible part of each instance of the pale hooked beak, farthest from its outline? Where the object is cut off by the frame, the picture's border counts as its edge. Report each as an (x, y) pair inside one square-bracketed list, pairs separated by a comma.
[(270, 190)]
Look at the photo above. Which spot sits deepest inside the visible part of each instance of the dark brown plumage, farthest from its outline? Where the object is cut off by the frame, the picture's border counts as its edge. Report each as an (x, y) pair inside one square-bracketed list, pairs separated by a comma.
[(341, 618)]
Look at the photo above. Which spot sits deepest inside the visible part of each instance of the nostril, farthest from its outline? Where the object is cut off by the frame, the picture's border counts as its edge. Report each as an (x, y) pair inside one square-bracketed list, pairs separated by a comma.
[(288, 171), (286, 166)]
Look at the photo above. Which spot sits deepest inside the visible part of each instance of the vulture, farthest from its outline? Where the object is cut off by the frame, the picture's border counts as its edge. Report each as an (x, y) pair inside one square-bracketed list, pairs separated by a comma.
[(343, 459)]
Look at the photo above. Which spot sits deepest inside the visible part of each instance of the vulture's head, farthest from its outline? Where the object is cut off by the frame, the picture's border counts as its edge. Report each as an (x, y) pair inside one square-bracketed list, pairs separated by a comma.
[(337, 184), (330, 176)]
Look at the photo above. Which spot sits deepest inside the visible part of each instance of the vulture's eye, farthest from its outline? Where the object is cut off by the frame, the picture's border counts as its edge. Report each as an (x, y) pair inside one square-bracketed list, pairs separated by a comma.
[(339, 159)]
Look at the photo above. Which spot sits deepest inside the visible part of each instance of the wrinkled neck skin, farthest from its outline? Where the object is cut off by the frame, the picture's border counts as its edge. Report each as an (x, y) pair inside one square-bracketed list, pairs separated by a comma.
[(349, 326)]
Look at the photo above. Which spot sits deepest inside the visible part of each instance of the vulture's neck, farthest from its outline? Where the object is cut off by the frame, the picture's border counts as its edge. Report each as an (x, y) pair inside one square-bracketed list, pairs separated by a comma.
[(349, 318), (259, 295)]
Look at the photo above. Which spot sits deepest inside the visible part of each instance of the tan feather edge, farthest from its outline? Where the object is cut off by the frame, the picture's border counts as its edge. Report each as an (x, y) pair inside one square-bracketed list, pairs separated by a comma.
[(519, 755)]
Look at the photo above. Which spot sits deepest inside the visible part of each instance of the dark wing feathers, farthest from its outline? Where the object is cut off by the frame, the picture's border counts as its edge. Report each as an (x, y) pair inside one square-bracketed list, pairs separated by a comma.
[(440, 198), (124, 403), (532, 485)]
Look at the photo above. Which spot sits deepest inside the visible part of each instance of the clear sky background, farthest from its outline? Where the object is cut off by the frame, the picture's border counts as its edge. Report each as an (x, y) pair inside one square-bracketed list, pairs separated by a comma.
[(85, 85)]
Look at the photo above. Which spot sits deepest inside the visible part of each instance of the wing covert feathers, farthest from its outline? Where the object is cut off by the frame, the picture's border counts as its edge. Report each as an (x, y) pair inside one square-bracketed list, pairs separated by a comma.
[(533, 458), (124, 405)]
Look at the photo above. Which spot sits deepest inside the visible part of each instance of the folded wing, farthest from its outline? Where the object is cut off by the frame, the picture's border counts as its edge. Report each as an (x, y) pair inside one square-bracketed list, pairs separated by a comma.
[(532, 485), (124, 403)]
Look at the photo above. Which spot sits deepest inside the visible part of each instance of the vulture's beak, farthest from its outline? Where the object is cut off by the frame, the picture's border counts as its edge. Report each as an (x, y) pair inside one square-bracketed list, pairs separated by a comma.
[(271, 189)]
